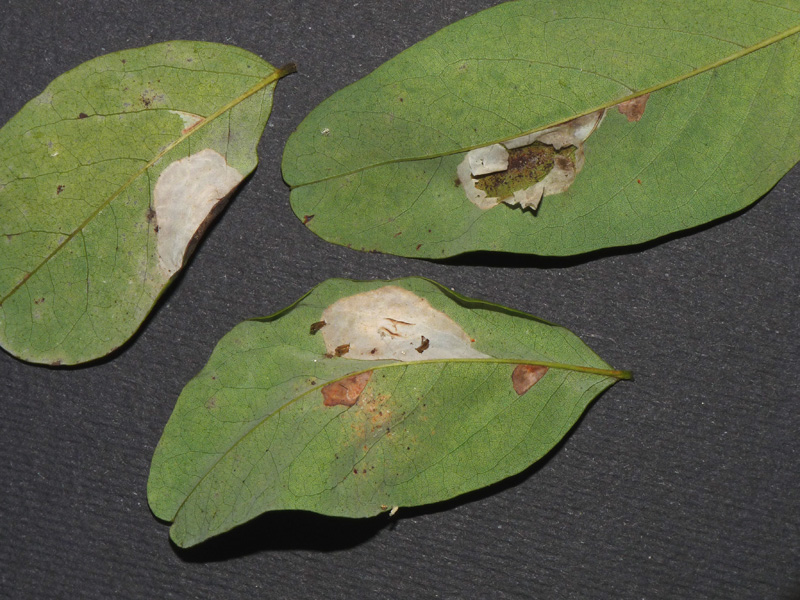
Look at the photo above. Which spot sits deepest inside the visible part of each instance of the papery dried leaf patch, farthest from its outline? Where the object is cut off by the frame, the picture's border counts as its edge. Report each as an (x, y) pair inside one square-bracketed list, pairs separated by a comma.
[(393, 323)]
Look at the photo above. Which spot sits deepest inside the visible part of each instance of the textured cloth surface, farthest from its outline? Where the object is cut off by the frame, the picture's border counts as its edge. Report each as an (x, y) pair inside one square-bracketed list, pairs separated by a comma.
[(682, 484)]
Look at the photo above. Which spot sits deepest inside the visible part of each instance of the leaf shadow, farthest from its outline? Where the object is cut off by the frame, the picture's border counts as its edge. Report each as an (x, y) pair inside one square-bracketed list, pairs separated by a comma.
[(303, 530), (488, 258)]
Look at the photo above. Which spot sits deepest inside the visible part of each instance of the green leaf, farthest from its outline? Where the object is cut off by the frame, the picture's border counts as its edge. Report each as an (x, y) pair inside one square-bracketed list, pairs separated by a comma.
[(375, 167), (107, 180), (347, 403)]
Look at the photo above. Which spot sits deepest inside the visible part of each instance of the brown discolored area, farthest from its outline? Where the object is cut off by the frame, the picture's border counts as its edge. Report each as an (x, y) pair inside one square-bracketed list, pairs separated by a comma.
[(315, 327), (341, 350), (59, 189), (82, 116), (346, 391), (525, 377), (307, 218), (633, 109), (424, 345)]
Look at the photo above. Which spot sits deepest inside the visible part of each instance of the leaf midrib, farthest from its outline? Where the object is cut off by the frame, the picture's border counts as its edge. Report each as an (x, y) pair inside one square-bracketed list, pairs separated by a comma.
[(614, 373), (654, 88), (271, 78)]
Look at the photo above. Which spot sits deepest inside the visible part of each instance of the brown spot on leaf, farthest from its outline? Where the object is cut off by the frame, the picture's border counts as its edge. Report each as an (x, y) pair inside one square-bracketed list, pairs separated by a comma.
[(525, 377), (59, 189), (633, 109), (341, 350), (424, 345), (315, 327), (150, 215), (457, 182), (39, 301), (82, 116), (346, 391), (307, 218)]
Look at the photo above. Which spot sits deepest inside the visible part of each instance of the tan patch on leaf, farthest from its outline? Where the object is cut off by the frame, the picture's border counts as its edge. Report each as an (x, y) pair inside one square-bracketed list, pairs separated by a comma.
[(388, 323), (188, 195), (525, 377), (346, 391), (633, 109)]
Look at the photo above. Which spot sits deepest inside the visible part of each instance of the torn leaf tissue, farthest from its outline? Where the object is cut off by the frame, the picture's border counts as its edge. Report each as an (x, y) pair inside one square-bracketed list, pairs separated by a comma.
[(523, 170)]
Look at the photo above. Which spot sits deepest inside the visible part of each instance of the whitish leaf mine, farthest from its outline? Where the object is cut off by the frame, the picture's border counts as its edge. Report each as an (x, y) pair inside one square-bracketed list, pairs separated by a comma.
[(523, 170), (393, 323), (190, 120), (188, 195)]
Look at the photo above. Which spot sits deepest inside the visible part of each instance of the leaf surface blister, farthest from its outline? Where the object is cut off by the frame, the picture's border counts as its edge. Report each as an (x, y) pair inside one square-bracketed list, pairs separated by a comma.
[(275, 421)]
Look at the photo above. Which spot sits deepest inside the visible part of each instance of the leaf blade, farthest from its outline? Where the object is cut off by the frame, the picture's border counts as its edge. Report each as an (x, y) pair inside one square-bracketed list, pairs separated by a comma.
[(82, 161), (259, 405), (413, 191)]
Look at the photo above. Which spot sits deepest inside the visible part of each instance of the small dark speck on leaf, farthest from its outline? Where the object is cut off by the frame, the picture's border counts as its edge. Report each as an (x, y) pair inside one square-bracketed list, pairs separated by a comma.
[(150, 214), (639, 181), (342, 350), (315, 327), (373, 351), (398, 233), (82, 116), (419, 246), (424, 345), (307, 218), (59, 189), (457, 181)]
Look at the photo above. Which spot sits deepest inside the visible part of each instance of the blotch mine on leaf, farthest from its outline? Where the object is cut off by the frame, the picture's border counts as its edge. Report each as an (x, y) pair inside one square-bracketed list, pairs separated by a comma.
[(524, 170), (315, 327), (346, 391), (190, 120), (525, 377), (387, 323), (188, 195), (633, 109)]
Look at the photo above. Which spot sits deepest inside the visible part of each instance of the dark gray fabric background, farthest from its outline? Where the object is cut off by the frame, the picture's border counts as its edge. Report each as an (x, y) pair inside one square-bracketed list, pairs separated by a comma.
[(682, 484)]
